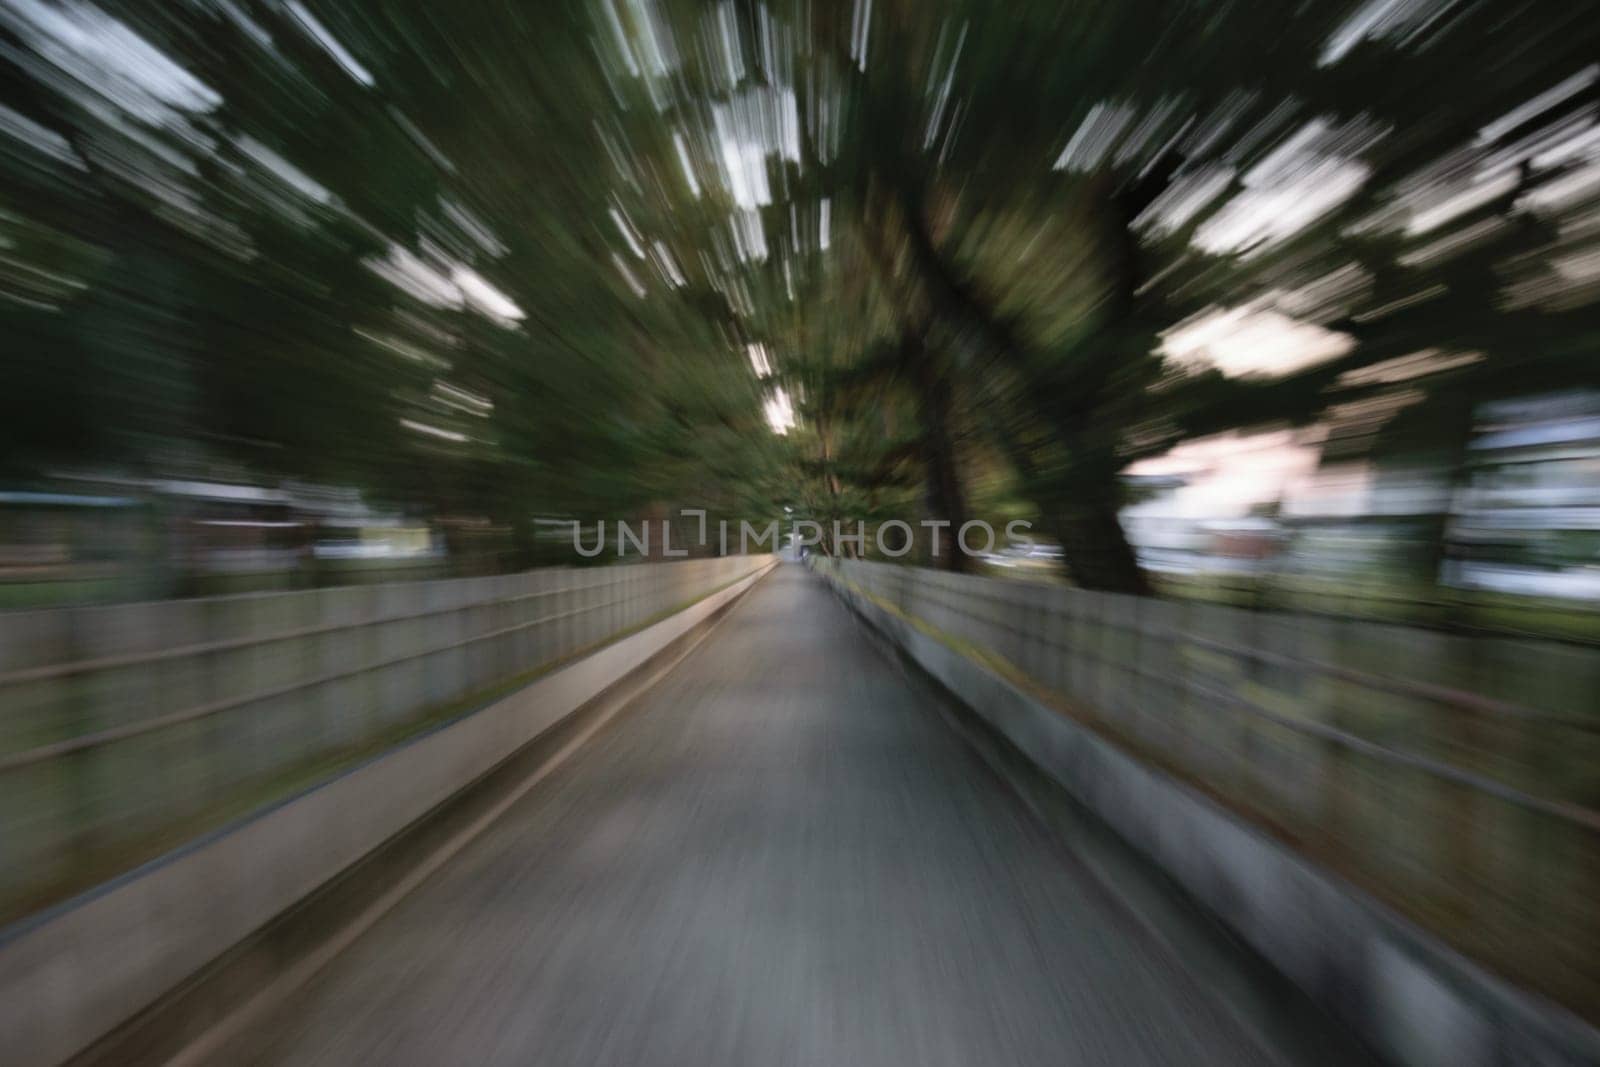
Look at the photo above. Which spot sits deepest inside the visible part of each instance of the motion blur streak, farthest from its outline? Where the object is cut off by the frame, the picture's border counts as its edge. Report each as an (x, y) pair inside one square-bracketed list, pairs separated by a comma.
[(1276, 323)]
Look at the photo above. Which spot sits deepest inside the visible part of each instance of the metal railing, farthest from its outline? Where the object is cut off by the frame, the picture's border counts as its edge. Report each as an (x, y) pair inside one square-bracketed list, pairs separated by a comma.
[(126, 728), (1458, 777)]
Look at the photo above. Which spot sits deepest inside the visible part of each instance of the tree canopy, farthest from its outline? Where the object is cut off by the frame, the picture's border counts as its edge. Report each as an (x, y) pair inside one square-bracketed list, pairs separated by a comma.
[(865, 259)]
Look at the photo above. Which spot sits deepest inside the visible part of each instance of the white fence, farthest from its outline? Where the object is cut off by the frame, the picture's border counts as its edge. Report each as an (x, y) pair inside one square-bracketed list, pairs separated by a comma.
[(128, 729), (1456, 777)]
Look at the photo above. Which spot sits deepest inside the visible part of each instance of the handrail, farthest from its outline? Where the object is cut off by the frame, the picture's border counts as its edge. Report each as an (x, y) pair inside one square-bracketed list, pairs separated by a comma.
[(67, 668), (925, 599), (143, 726), (68, 746), (1439, 694)]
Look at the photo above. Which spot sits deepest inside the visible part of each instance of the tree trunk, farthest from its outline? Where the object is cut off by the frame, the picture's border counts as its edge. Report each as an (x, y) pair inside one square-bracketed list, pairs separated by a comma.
[(1451, 417), (946, 499), (1097, 551), (1092, 539)]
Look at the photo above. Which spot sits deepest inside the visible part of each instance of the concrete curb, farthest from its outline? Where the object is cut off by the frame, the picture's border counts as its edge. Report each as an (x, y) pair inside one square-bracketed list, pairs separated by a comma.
[(95, 962), (1400, 989)]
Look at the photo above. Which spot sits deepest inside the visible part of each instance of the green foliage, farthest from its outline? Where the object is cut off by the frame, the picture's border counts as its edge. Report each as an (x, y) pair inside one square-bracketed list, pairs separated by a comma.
[(866, 259)]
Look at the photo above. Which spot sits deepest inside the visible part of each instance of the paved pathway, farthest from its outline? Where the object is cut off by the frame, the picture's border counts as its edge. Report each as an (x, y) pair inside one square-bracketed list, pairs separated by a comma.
[(781, 855)]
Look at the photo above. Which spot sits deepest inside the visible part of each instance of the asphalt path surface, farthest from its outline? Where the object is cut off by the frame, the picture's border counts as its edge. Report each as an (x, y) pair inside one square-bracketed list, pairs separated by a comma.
[(781, 854)]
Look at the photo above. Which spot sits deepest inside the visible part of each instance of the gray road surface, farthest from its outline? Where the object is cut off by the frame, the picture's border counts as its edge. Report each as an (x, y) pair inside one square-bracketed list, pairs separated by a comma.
[(781, 855)]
